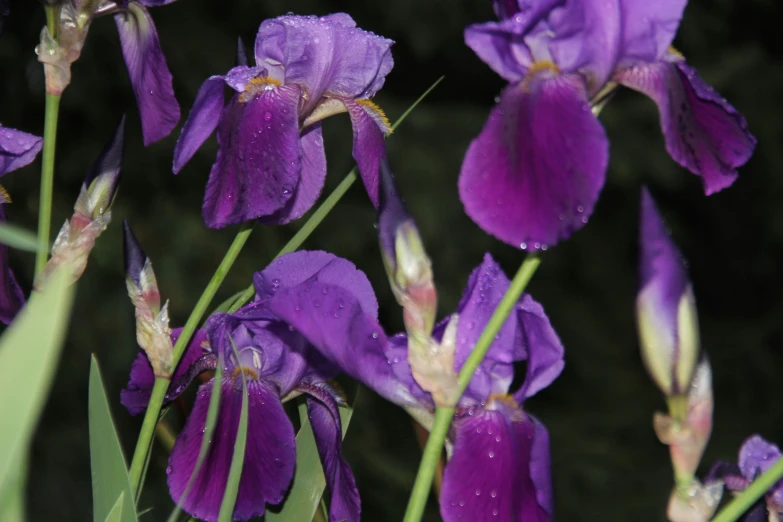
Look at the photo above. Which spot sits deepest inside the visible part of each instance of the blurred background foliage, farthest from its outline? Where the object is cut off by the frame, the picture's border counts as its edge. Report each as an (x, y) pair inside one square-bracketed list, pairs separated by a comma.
[(607, 461)]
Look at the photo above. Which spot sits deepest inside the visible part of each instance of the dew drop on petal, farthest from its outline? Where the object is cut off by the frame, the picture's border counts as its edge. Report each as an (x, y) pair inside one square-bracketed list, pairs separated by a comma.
[(267, 116), (493, 493)]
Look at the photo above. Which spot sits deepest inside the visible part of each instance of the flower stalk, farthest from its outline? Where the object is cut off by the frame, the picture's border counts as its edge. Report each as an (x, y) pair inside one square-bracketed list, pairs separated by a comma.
[(444, 416), (47, 179), (742, 502)]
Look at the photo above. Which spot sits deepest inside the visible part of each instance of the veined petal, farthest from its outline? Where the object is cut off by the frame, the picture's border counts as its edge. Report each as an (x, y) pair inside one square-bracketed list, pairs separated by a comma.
[(534, 173), (332, 319), (202, 121), (369, 146), (258, 163), (327, 55), (295, 268), (501, 46), (269, 461), (149, 73), (703, 132), (17, 149), (311, 179), (488, 477), (327, 428), (11, 295), (649, 28), (136, 395)]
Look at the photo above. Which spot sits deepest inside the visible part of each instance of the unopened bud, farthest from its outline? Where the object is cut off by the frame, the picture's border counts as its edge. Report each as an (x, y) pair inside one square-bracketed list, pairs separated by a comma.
[(153, 332), (665, 307), (407, 265), (241, 53)]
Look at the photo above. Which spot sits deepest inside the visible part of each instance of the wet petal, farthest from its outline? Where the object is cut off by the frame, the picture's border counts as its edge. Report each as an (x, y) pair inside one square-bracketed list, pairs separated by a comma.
[(327, 428), (17, 149), (149, 73), (756, 457), (311, 180), (703, 132), (370, 125), (11, 295), (501, 46), (543, 350), (488, 477), (202, 121), (534, 173), (649, 28), (136, 395), (541, 464), (326, 55), (298, 267), (269, 455), (258, 162), (333, 320)]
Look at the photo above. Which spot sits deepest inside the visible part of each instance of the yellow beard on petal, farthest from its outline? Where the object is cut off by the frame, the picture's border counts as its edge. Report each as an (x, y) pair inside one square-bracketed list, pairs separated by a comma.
[(255, 86), (377, 114), (537, 69)]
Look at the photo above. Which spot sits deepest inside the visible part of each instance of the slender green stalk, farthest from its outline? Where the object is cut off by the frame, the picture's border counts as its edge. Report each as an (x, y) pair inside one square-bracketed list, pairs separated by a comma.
[(161, 384), (53, 21), (47, 180), (443, 416), (742, 502)]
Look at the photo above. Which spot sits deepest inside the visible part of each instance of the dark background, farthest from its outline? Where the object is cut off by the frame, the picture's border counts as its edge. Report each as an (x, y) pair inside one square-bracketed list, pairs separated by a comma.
[(607, 462)]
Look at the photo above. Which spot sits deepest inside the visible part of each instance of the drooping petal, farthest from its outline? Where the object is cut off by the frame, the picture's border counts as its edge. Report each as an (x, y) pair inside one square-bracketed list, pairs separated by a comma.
[(311, 180), (17, 149), (149, 73), (202, 121), (756, 456), (665, 306), (703, 132), (136, 395), (327, 55), (11, 295), (258, 162), (534, 173), (327, 429), (332, 319), (269, 460), (298, 267), (488, 477), (369, 146), (544, 351), (649, 28)]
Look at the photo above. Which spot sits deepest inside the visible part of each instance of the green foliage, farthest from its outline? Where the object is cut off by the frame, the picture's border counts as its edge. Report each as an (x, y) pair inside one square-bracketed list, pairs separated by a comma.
[(29, 351), (18, 237), (109, 473), (115, 515)]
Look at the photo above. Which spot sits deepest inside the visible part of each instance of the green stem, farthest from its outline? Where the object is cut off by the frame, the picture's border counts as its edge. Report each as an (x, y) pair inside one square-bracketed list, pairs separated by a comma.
[(742, 502), (443, 416), (162, 384), (53, 21), (47, 180)]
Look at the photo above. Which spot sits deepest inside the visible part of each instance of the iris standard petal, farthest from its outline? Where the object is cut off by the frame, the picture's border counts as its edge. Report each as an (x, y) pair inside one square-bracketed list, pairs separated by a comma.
[(258, 162), (703, 132), (202, 121), (269, 460), (11, 295), (649, 28), (324, 418), (370, 125), (332, 320), (501, 46), (543, 350), (298, 267), (534, 173), (326, 55), (311, 179), (17, 149), (149, 73), (136, 395), (488, 476)]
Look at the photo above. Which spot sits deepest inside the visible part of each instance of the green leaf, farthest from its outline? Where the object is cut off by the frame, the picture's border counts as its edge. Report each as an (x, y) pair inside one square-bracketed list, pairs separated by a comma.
[(238, 458), (109, 472), (309, 481), (29, 351), (209, 429), (18, 237), (115, 515)]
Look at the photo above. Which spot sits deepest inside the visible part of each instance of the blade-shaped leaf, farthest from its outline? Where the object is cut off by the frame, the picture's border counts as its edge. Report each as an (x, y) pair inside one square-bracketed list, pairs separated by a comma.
[(309, 481), (238, 458), (29, 351), (209, 428), (18, 237), (115, 515), (109, 471)]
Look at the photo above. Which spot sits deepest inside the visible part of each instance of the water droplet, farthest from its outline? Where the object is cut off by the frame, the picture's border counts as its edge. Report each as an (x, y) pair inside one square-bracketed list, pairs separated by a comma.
[(497, 439), (375, 335), (495, 511), (523, 246), (478, 492), (326, 291), (493, 494), (290, 328), (168, 470), (318, 304), (580, 208), (492, 454), (462, 503), (267, 116), (297, 308)]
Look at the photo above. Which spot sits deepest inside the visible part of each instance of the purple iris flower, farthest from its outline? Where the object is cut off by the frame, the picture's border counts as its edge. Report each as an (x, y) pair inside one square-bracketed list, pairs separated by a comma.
[(499, 466), (17, 149), (11, 295), (277, 362), (271, 163), (755, 457), (534, 173)]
